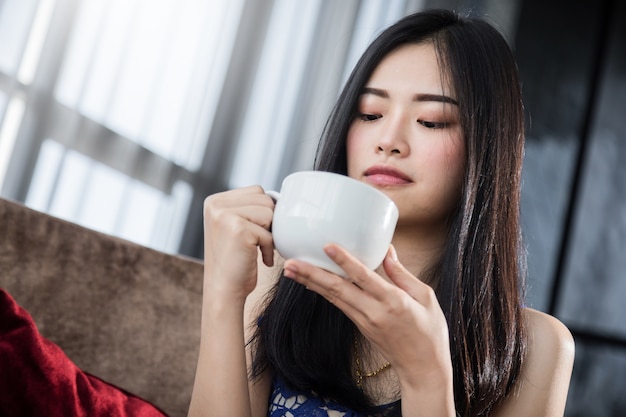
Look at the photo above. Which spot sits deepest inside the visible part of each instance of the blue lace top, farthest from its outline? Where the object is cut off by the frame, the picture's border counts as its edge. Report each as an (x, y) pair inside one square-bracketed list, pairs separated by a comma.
[(290, 403)]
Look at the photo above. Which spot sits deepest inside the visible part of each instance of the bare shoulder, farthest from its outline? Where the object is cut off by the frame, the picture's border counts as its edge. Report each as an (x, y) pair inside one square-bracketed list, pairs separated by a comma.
[(548, 336), (545, 378), (550, 355)]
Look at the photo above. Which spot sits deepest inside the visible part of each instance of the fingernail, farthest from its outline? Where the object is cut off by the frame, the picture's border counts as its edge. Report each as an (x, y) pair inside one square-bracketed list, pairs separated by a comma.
[(393, 253), (290, 271), (330, 251)]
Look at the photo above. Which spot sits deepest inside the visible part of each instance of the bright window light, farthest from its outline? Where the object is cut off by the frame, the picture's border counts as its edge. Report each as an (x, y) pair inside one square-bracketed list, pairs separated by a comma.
[(8, 133)]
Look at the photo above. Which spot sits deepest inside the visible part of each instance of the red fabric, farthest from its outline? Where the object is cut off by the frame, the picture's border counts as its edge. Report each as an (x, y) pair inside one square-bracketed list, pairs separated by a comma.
[(38, 379)]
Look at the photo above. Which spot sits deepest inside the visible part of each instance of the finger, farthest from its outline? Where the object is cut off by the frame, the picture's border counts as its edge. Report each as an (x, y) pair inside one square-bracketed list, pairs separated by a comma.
[(337, 290), (356, 271), (251, 190), (401, 277), (253, 195), (237, 219), (266, 246), (261, 237), (256, 195), (364, 309), (261, 216)]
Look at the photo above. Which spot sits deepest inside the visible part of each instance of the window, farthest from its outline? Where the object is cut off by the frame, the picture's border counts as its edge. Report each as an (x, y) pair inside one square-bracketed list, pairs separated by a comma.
[(111, 102), (123, 115)]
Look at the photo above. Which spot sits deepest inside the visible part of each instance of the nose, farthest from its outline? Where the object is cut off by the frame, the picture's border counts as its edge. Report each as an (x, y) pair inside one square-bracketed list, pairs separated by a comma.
[(394, 138)]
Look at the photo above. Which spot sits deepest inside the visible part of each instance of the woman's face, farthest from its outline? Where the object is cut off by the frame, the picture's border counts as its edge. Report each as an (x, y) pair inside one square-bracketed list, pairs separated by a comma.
[(406, 140)]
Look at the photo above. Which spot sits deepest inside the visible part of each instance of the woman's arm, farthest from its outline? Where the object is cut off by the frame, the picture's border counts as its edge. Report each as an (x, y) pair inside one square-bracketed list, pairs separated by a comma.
[(221, 363), (221, 383), (267, 277), (544, 382), (236, 226)]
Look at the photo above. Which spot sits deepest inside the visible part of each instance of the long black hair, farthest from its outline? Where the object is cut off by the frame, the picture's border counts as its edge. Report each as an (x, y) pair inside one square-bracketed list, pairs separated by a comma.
[(480, 277)]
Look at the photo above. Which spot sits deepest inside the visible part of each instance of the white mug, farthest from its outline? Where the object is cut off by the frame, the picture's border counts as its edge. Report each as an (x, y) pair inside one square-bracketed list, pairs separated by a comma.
[(314, 208)]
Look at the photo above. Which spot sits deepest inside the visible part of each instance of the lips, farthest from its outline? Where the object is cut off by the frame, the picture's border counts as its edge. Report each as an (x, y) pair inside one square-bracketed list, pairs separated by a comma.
[(384, 175)]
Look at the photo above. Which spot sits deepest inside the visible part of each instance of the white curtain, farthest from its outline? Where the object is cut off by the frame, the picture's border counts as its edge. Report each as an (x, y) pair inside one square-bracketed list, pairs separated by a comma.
[(123, 115)]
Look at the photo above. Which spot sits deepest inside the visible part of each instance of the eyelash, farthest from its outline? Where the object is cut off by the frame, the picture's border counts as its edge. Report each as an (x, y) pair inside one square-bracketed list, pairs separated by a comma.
[(427, 124), (432, 125), (369, 117)]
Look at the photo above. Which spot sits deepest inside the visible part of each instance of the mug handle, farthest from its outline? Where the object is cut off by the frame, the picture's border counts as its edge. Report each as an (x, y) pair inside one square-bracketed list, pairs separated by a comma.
[(274, 194)]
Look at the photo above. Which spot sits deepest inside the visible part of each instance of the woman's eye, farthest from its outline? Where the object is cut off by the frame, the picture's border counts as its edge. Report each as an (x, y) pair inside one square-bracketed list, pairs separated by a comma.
[(432, 125), (369, 117)]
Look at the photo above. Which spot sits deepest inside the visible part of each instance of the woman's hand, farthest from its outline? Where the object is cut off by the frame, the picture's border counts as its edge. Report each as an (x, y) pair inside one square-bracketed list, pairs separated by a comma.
[(401, 317), (236, 226)]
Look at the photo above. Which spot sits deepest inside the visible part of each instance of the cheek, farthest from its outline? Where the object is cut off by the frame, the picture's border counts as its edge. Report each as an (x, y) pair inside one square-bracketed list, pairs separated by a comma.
[(455, 163), (445, 168)]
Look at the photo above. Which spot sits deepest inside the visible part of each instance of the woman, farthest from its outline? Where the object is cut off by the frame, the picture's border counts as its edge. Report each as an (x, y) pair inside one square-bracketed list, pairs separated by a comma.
[(432, 116)]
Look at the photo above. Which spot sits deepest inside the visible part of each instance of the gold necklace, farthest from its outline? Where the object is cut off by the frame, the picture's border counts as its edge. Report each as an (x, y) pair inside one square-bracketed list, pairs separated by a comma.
[(359, 374)]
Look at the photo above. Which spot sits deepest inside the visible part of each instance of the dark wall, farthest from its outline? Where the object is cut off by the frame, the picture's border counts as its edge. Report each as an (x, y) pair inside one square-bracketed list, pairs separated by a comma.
[(572, 59)]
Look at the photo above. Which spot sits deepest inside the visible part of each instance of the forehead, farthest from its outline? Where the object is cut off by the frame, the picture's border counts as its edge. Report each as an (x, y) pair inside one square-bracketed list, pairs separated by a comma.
[(412, 66)]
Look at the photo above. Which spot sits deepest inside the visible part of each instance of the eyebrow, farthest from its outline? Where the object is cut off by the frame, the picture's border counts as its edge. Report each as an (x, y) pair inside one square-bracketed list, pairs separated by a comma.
[(417, 97)]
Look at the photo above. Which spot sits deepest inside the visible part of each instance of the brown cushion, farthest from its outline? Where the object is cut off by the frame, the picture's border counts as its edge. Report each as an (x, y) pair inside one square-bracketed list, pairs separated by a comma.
[(123, 312)]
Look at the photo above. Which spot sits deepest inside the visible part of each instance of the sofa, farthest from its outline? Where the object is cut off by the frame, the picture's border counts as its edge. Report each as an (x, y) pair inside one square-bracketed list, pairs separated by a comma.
[(122, 312)]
